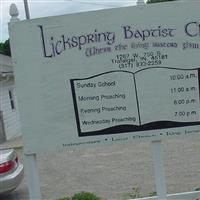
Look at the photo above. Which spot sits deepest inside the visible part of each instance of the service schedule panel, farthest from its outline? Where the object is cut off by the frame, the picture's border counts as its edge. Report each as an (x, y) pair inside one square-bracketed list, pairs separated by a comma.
[(108, 76), (120, 101)]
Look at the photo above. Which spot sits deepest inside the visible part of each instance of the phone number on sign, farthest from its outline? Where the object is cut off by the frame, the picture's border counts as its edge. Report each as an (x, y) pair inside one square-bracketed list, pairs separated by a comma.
[(148, 63)]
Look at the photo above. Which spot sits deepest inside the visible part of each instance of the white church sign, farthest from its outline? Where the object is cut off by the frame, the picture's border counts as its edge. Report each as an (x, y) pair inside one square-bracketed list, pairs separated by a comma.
[(108, 76)]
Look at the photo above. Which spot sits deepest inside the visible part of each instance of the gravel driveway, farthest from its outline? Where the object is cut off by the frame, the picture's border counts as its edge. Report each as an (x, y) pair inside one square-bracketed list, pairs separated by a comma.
[(112, 171)]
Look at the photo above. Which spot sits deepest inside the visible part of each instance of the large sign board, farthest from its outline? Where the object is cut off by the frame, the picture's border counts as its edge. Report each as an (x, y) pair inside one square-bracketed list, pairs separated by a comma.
[(108, 76)]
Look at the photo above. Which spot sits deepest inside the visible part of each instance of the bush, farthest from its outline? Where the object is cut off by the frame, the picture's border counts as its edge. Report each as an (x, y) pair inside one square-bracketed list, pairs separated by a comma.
[(82, 196)]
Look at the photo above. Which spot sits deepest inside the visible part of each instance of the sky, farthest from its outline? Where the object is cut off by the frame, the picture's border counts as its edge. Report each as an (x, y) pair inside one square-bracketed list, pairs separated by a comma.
[(44, 8)]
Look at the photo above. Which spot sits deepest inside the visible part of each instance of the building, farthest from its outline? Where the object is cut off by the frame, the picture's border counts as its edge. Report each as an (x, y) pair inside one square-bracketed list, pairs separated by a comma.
[(9, 113)]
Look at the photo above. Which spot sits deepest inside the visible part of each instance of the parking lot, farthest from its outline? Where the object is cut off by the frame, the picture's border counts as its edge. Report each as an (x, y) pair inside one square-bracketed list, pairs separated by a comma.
[(113, 171)]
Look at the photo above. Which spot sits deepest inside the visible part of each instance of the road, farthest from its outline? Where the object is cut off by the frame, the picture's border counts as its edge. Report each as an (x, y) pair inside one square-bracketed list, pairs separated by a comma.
[(113, 171)]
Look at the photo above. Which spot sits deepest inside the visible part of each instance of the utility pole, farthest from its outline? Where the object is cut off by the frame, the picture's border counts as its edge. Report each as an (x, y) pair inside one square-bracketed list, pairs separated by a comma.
[(26, 9)]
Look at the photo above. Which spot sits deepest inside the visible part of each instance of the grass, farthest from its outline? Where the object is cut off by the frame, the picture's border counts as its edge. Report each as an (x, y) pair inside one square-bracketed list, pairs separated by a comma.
[(135, 193)]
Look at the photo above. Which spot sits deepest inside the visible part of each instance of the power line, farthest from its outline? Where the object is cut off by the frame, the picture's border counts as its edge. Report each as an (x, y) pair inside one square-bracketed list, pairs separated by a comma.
[(103, 3)]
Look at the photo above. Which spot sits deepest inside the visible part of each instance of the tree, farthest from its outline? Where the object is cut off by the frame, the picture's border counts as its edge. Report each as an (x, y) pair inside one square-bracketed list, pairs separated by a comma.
[(157, 1), (1, 48), (5, 48)]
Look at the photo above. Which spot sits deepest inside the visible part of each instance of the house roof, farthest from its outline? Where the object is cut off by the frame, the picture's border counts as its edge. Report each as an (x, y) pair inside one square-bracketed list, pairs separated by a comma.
[(6, 67), (5, 63)]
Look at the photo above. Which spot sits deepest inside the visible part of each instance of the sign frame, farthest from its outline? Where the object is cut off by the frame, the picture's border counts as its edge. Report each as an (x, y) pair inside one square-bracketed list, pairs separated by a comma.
[(30, 157)]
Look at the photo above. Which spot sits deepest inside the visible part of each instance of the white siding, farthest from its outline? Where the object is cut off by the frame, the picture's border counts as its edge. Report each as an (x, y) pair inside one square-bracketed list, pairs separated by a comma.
[(10, 116)]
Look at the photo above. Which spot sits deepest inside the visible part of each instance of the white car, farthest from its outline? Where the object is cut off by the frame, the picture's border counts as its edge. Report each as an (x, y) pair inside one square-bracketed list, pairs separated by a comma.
[(11, 171)]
